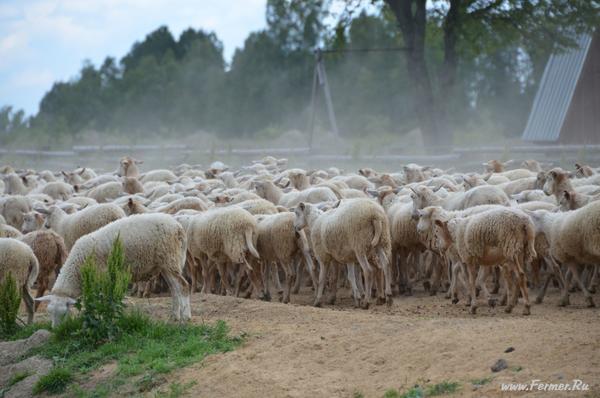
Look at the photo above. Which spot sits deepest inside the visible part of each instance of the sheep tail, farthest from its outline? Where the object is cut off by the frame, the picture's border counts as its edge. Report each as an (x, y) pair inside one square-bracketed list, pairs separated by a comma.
[(377, 227), (250, 244), (34, 270)]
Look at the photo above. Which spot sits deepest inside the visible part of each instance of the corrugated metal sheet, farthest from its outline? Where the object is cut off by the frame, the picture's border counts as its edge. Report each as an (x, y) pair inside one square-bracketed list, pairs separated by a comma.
[(555, 92)]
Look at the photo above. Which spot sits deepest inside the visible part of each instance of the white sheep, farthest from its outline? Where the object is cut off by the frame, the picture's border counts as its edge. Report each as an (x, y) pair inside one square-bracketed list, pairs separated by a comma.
[(152, 244), (270, 192), (73, 226), (222, 237), (500, 236), (574, 238), (18, 259), (356, 231), (13, 208)]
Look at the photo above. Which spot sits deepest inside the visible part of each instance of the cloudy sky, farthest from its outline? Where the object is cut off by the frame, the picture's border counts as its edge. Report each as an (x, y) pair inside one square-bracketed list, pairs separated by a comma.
[(42, 41)]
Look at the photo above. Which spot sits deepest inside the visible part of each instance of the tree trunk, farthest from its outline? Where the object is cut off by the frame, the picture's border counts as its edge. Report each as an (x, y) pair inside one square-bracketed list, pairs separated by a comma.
[(412, 25)]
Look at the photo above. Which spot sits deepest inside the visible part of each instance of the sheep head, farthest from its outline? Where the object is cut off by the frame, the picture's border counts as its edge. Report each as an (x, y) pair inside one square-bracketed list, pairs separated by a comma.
[(58, 307)]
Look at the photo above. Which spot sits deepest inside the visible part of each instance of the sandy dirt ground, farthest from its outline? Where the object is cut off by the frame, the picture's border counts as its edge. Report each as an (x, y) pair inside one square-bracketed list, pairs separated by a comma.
[(297, 350)]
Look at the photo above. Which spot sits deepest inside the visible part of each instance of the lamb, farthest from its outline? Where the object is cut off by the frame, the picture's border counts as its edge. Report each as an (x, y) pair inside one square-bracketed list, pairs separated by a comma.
[(152, 243), (6, 231), (128, 167), (183, 203), (158, 175), (558, 181), (269, 191), (73, 226), (501, 236), (278, 242), (531, 195), (423, 196), (18, 259), (222, 236), (571, 200), (15, 184), (57, 190), (355, 231), (50, 250), (32, 221), (13, 208), (573, 238)]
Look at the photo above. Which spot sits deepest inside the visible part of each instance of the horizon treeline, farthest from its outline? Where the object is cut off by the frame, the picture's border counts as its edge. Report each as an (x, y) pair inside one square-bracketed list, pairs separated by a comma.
[(174, 86)]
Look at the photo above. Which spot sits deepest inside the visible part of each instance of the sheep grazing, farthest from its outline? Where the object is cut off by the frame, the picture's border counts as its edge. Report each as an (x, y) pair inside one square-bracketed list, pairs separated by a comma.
[(356, 231), (574, 238), (153, 244), (18, 259), (222, 237), (50, 250), (57, 190), (500, 236), (15, 184), (72, 226)]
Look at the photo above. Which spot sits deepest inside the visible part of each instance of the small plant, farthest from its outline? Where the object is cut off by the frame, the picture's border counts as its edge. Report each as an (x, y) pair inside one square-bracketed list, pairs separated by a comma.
[(358, 394), (482, 381), (445, 387), (391, 393), (54, 382), (102, 294), (10, 299)]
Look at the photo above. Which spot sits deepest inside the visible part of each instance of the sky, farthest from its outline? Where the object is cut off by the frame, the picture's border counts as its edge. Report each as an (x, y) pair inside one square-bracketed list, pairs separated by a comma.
[(43, 41)]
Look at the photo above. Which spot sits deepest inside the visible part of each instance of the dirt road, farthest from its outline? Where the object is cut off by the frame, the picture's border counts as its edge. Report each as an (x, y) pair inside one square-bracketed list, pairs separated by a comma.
[(338, 351)]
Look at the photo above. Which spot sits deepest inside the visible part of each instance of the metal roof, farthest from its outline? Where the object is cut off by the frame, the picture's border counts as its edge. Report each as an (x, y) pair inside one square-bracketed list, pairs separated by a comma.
[(555, 92)]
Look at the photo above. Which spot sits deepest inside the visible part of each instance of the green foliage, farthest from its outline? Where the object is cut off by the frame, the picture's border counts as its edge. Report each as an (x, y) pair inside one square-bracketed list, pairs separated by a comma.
[(102, 294), (481, 382), (10, 300), (55, 382), (144, 347), (391, 393), (445, 387), (358, 394)]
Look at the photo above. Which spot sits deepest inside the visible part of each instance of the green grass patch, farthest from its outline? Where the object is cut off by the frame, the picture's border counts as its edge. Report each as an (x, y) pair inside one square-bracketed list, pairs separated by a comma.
[(434, 390), (358, 394), (55, 382), (146, 348), (516, 368), (481, 382)]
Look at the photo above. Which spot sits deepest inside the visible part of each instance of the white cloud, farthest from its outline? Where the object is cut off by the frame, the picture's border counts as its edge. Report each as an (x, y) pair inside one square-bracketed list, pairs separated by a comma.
[(45, 40)]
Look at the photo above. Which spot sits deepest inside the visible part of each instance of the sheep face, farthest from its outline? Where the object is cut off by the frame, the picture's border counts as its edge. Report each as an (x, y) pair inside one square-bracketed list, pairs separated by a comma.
[(551, 183), (32, 221), (566, 201), (419, 199), (301, 212), (58, 307)]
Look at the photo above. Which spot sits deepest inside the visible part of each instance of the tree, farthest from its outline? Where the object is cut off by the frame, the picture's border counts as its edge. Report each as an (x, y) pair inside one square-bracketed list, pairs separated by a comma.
[(543, 22)]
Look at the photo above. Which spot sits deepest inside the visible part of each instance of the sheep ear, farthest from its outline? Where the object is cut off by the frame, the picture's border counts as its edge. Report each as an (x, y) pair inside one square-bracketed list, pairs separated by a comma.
[(38, 216), (63, 173), (567, 195), (439, 223), (82, 171), (44, 299), (301, 206)]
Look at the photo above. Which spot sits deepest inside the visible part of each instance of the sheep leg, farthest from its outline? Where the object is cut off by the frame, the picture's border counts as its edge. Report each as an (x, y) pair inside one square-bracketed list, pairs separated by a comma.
[(510, 290), (384, 264), (593, 280), (482, 277), (239, 275), (289, 277), (436, 273), (265, 281), (472, 268), (522, 281), (180, 293), (28, 304), (299, 275), (558, 275), (352, 279), (575, 272), (496, 280), (333, 283), (368, 274), (275, 275), (321, 286), (225, 279)]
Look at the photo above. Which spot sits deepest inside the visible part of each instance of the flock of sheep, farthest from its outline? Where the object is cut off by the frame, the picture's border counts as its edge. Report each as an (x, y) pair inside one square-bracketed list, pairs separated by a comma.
[(264, 226)]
